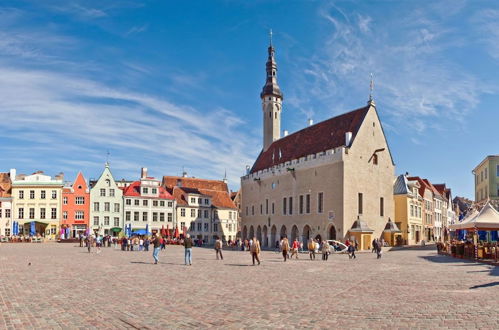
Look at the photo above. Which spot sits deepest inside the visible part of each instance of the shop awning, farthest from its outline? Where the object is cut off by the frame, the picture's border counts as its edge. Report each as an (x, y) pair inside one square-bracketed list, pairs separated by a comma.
[(116, 229), (486, 219)]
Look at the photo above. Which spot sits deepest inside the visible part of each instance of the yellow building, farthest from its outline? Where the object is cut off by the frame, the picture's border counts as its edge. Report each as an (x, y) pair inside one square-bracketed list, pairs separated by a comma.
[(408, 210), (37, 204), (487, 180)]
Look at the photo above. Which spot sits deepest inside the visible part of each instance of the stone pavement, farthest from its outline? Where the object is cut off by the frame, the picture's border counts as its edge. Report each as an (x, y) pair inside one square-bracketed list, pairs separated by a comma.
[(67, 288)]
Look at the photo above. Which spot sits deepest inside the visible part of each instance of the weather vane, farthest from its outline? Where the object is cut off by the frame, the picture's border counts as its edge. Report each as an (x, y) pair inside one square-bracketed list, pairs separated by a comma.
[(371, 88)]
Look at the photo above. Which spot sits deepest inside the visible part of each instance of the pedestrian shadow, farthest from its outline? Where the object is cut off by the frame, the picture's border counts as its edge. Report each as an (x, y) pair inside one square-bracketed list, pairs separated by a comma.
[(487, 285), (448, 260), (237, 265)]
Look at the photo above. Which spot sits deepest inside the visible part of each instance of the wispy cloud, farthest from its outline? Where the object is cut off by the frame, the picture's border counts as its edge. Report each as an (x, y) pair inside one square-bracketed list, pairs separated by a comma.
[(415, 82), (488, 26), (137, 29)]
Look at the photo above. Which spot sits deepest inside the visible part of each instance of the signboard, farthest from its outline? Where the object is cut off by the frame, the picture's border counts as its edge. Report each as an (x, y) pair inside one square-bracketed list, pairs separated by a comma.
[(331, 215)]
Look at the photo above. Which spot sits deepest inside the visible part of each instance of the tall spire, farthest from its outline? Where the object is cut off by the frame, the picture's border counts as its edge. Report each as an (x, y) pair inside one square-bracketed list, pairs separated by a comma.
[(271, 87)]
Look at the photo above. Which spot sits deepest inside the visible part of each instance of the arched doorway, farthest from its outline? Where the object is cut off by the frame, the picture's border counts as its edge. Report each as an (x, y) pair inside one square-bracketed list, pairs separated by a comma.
[(245, 233), (318, 238), (265, 237), (284, 232), (273, 238), (251, 232), (294, 233), (259, 234), (305, 235), (332, 232)]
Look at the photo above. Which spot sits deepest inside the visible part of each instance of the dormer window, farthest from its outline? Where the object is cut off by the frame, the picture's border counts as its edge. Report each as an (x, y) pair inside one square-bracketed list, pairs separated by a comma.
[(145, 190)]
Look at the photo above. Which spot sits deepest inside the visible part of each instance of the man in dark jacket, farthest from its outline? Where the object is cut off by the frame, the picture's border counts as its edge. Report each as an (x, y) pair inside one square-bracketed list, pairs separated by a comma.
[(188, 250)]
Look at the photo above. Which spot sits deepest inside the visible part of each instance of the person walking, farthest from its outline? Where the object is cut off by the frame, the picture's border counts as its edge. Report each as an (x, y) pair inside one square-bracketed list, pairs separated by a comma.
[(294, 248), (351, 252), (81, 240), (373, 249), (218, 248), (311, 249), (98, 243), (156, 242), (147, 242), (379, 249), (188, 250), (255, 250), (325, 250), (285, 247), (90, 242)]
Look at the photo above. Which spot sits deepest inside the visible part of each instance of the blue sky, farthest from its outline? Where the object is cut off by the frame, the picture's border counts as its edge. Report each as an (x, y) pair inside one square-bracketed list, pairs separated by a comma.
[(166, 84)]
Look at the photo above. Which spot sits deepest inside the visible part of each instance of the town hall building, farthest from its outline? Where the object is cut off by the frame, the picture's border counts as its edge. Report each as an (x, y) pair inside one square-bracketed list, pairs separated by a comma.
[(331, 180)]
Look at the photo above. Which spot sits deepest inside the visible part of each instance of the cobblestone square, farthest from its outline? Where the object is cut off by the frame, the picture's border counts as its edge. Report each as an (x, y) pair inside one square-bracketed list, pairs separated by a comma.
[(65, 287)]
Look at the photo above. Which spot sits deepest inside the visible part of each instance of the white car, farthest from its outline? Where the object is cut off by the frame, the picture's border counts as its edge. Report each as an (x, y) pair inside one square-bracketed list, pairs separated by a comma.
[(343, 247)]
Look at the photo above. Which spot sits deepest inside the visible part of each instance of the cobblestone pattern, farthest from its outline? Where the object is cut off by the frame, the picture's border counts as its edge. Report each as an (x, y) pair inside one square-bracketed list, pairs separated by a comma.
[(67, 288)]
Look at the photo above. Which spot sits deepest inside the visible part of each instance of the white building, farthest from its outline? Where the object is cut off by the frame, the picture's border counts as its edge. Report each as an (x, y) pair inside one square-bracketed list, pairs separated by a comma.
[(147, 205), (106, 206)]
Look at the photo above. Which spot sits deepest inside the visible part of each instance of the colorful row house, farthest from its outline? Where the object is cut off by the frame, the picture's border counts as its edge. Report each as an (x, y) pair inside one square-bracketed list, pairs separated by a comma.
[(75, 208), (148, 206), (37, 203), (204, 209), (423, 211)]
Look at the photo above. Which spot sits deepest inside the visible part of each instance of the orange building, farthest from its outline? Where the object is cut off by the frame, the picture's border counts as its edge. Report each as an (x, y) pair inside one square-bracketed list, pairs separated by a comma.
[(76, 207)]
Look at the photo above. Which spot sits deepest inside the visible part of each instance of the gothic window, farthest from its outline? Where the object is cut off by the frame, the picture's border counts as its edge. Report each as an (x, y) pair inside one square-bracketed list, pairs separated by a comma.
[(275, 115)]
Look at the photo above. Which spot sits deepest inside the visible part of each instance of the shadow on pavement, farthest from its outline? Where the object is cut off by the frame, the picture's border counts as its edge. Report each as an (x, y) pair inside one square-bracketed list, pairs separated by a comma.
[(487, 285), (237, 265)]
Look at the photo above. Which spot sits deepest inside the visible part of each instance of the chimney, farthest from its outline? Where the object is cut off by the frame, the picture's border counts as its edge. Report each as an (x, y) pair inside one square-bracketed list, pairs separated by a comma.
[(286, 132), (143, 173), (310, 122), (248, 168), (59, 176), (348, 138), (12, 174), (184, 174)]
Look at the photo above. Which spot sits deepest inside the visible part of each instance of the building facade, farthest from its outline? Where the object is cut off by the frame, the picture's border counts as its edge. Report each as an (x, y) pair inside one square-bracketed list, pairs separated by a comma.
[(331, 180), (408, 209), (37, 204), (76, 207), (106, 208), (487, 180), (204, 208), (148, 207), (5, 205)]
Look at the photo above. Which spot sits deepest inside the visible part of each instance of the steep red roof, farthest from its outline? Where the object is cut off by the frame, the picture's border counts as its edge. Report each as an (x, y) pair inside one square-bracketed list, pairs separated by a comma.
[(217, 190), (432, 187), (171, 181), (134, 190), (422, 184), (320, 137)]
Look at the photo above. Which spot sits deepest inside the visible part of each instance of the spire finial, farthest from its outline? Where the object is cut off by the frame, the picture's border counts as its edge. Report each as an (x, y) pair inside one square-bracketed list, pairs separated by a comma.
[(107, 157), (371, 89), (270, 37)]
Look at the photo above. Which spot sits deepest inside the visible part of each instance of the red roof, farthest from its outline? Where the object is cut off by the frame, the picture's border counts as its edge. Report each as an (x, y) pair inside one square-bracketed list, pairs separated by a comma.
[(422, 184), (134, 190), (217, 190), (326, 135)]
